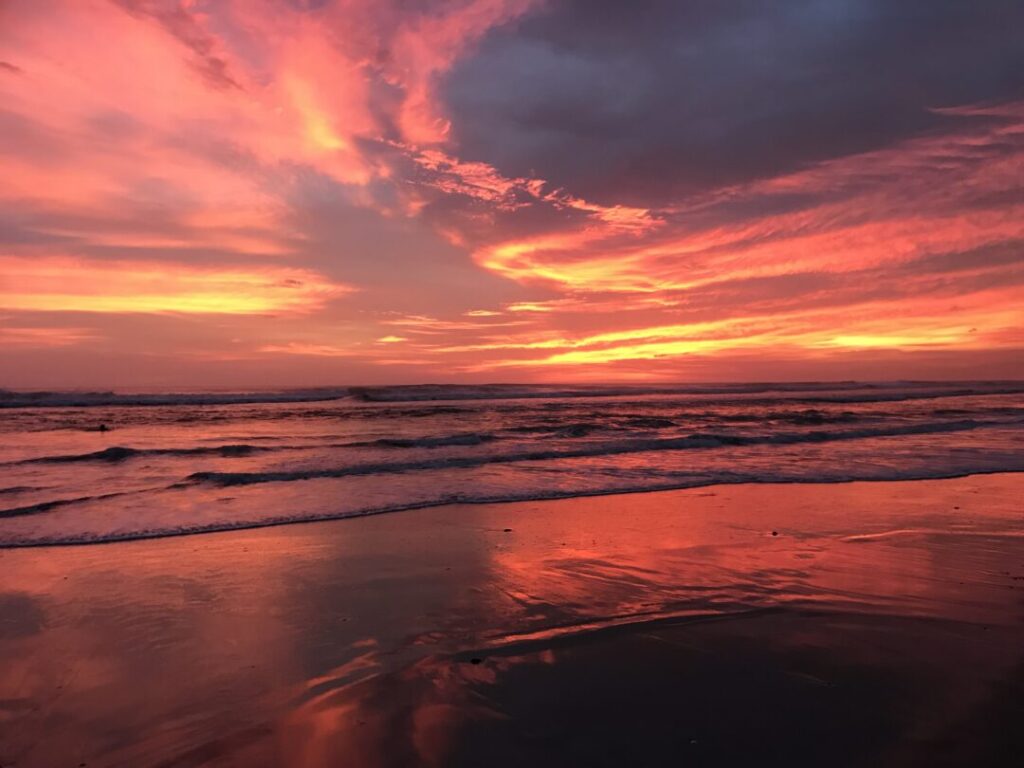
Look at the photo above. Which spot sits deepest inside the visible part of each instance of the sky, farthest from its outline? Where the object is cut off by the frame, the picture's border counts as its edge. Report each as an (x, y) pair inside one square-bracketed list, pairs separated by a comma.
[(231, 193)]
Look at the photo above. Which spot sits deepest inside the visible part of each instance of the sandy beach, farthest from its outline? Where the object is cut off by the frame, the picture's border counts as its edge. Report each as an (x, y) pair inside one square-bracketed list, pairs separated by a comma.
[(843, 624)]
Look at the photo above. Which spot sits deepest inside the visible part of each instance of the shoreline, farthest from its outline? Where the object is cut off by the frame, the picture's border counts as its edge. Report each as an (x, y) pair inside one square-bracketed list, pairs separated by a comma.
[(879, 616), (228, 527)]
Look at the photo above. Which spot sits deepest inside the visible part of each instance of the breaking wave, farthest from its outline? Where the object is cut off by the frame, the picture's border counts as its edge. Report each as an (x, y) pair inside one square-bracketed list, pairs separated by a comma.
[(609, 448)]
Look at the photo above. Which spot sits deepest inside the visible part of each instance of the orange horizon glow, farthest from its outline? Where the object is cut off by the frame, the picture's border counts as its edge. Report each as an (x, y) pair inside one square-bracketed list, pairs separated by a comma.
[(288, 193)]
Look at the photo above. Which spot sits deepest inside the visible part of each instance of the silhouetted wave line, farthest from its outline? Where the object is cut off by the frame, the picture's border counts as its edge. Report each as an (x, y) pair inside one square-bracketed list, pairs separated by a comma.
[(608, 448), (118, 453), (441, 441), (46, 506)]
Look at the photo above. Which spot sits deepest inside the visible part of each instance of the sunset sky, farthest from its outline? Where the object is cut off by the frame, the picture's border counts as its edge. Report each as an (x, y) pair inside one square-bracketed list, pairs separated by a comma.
[(303, 192)]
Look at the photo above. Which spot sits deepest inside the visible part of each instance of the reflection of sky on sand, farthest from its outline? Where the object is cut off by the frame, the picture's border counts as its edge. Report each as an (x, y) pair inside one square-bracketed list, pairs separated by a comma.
[(193, 641), (132, 641), (355, 641), (874, 549)]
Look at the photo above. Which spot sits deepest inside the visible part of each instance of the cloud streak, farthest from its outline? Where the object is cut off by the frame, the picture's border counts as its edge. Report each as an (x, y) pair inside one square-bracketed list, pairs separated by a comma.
[(75, 285)]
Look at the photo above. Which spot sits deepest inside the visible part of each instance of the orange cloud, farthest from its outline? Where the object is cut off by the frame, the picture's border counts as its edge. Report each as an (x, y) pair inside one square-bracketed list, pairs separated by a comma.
[(45, 337), (72, 284), (979, 321), (894, 205), (301, 348)]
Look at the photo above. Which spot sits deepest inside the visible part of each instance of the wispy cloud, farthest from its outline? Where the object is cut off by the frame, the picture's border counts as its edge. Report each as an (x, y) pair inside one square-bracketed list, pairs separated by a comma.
[(79, 285)]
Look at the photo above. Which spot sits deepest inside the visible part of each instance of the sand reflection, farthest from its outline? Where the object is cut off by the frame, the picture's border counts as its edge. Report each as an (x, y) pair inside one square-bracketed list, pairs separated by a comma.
[(662, 623)]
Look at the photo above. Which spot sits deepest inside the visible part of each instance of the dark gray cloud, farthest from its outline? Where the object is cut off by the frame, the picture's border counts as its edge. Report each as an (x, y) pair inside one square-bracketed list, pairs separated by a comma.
[(645, 101)]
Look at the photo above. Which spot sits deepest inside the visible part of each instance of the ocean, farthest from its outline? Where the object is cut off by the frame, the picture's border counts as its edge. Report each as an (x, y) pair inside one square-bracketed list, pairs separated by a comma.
[(96, 467)]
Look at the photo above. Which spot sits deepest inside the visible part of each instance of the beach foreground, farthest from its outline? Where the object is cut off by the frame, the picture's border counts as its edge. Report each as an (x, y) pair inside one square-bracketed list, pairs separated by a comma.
[(846, 624)]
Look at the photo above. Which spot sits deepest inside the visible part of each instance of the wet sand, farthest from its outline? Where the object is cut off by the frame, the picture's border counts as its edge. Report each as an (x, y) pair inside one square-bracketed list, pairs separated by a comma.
[(875, 624)]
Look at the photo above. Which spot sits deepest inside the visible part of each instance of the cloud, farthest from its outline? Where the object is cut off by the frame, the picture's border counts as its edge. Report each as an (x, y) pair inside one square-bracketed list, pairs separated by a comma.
[(45, 336), (665, 99), (181, 21), (76, 285), (889, 206)]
